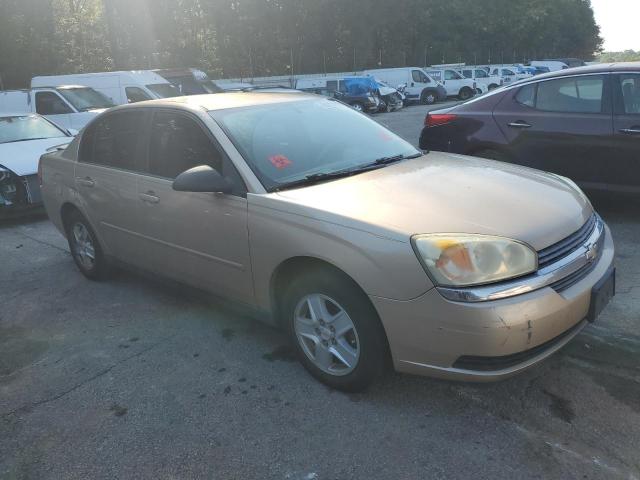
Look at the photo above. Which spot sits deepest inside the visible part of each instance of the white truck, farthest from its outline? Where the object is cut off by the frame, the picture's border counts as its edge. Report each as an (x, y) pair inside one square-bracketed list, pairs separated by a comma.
[(120, 87), (420, 86), (68, 106), (455, 84)]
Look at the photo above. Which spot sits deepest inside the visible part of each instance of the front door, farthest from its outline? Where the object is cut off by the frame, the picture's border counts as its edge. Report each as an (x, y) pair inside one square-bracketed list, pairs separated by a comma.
[(624, 162), (198, 238), (560, 125), (54, 107)]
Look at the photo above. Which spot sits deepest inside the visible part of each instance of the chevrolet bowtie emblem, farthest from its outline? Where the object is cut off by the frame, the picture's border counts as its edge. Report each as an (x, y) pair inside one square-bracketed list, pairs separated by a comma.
[(592, 252)]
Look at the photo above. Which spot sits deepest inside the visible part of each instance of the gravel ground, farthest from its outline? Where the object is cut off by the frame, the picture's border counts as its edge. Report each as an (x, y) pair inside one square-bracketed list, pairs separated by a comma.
[(134, 378)]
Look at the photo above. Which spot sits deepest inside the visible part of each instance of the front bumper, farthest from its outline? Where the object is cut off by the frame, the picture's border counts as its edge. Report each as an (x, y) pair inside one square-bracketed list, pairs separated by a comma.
[(430, 334)]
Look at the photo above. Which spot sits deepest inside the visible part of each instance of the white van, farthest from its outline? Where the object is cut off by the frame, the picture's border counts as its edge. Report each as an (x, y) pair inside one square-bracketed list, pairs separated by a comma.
[(420, 86), (484, 82), (69, 106), (509, 74), (120, 87), (455, 84)]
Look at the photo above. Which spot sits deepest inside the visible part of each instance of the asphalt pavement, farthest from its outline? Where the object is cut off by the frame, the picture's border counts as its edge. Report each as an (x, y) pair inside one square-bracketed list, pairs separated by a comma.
[(136, 378)]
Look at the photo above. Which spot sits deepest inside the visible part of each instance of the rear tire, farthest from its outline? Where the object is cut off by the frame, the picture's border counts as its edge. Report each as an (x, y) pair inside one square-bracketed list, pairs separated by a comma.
[(465, 93), (85, 248), (335, 331)]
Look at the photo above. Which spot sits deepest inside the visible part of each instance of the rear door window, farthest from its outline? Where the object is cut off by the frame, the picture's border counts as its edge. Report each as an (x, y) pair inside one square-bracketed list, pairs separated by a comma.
[(571, 95), (527, 95), (49, 103), (116, 141)]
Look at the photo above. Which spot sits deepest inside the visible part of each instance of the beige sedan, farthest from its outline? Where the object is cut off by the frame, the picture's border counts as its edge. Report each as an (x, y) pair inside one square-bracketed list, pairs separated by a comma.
[(363, 249)]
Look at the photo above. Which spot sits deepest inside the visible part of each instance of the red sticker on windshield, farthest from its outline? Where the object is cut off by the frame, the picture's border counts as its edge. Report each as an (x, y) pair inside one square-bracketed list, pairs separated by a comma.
[(279, 161)]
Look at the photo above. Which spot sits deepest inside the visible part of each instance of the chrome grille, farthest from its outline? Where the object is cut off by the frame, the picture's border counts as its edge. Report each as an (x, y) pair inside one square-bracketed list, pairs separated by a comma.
[(555, 252)]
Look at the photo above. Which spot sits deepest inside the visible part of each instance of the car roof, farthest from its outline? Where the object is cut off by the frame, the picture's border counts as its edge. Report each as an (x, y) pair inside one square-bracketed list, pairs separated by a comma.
[(221, 101), (596, 68)]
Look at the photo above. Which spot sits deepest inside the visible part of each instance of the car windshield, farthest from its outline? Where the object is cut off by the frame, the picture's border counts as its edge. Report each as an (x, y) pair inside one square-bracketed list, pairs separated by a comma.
[(164, 90), (85, 98), (287, 142), (27, 127)]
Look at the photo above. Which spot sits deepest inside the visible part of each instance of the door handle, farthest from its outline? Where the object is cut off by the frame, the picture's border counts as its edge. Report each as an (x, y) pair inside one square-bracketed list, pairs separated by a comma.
[(519, 124), (85, 182), (630, 131), (149, 197)]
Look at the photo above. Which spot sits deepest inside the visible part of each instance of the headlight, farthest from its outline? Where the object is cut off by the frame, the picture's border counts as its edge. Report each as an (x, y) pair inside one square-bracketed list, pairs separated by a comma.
[(4, 173), (461, 260)]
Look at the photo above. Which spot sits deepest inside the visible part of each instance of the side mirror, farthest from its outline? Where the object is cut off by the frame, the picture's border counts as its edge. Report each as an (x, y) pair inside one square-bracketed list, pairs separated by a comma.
[(202, 179)]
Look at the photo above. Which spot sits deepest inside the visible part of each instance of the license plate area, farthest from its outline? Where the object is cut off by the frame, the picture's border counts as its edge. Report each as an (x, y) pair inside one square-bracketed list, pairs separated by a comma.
[(601, 294)]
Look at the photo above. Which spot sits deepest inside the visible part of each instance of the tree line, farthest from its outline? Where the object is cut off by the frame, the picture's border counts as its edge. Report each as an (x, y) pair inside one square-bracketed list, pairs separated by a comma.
[(244, 38)]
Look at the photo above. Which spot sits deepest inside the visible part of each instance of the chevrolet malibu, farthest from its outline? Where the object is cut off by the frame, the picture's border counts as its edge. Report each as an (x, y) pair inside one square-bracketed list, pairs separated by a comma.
[(360, 247)]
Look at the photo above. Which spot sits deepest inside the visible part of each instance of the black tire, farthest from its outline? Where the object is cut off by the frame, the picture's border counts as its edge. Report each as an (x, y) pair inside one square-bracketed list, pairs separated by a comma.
[(492, 154), (428, 97), (370, 335), (465, 93), (99, 268), (493, 86), (358, 107)]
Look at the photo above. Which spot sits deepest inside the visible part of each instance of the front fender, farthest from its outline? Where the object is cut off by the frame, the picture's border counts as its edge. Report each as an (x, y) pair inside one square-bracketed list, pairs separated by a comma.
[(381, 266)]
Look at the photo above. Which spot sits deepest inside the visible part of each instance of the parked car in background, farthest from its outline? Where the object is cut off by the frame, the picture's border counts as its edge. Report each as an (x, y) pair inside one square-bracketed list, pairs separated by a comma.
[(582, 123), (390, 98), (419, 86), (455, 84), (189, 81), (23, 139), (303, 230), (508, 74), (119, 87), (569, 62), (361, 93), (552, 65), (69, 106), (484, 82)]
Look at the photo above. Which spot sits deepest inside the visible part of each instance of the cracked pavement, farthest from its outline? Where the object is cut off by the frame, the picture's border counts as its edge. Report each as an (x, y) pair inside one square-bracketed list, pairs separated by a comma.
[(135, 378)]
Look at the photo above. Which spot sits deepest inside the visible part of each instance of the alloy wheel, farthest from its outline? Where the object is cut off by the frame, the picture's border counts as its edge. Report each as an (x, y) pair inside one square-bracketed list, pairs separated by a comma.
[(327, 334), (84, 250)]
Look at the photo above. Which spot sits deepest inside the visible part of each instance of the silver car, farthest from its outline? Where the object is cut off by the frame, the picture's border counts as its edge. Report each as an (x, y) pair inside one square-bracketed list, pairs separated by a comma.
[(363, 249)]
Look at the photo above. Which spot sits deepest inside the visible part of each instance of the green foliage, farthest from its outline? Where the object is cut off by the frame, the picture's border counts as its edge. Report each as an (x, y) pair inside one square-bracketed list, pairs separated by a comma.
[(626, 56), (270, 37)]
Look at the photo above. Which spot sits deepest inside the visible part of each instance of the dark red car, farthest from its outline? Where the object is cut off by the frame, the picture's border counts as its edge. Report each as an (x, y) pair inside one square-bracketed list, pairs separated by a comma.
[(582, 123)]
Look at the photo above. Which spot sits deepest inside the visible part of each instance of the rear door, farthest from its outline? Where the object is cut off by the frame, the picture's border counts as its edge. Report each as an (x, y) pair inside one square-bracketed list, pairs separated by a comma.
[(106, 175), (198, 238), (562, 125), (624, 160)]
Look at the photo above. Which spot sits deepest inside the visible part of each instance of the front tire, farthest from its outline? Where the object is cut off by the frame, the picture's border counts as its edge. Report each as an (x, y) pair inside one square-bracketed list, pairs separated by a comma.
[(428, 97), (358, 107), (85, 248), (335, 330)]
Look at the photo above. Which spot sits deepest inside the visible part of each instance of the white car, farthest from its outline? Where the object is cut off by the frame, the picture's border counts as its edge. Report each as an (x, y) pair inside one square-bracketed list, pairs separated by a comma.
[(24, 137), (508, 74), (455, 84)]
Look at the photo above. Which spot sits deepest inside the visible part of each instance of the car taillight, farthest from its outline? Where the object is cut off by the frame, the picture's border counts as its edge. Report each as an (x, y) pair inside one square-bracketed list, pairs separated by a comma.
[(40, 172), (435, 119)]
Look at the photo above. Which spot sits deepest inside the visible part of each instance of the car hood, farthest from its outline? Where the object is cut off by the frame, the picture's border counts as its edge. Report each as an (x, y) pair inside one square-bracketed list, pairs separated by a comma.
[(22, 157), (445, 193)]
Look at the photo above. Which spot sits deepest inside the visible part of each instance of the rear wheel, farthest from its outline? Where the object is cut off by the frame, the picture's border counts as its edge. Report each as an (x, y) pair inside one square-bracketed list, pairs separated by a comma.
[(336, 332), (465, 93), (85, 248)]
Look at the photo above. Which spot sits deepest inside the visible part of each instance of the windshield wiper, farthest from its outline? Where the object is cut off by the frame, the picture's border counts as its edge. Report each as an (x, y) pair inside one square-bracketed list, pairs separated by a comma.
[(347, 172)]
